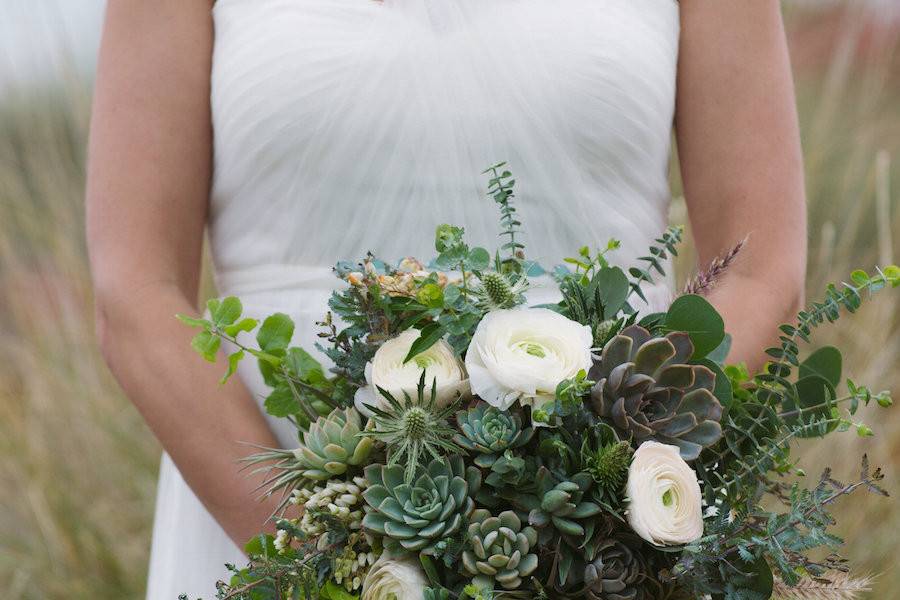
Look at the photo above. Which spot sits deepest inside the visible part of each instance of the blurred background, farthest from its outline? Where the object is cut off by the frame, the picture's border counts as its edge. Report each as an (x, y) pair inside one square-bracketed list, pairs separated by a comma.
[(78, 467)]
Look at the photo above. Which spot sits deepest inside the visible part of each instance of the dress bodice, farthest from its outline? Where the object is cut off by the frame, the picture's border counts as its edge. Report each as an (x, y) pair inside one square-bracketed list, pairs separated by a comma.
[(343, 126)]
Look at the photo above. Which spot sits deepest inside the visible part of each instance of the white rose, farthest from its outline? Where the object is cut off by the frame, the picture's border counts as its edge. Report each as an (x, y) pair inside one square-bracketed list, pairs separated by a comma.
[(523, 354), (394, 579), (388, 371), (664, 496)]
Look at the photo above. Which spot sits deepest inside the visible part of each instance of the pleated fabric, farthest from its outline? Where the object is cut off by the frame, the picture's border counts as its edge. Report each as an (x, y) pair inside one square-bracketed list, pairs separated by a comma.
[(347, 126)]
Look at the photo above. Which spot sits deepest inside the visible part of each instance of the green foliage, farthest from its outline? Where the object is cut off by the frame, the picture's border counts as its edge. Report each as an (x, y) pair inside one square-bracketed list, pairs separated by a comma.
[(607, 459), (500, 188), (696, 317), (596, 301), (655, 260)]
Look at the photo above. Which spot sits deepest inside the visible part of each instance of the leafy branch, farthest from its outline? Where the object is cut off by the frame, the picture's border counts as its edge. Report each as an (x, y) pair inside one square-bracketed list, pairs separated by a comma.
[(500, 188), (656, 257)]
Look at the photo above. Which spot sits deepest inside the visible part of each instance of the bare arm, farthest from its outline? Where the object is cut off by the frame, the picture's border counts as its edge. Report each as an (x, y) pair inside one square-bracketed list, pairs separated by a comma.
[(739, 146), (148, 186)]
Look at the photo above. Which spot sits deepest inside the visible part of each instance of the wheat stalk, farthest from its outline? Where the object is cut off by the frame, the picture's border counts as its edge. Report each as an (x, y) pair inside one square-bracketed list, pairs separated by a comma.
[(707, 278), (835, 586)]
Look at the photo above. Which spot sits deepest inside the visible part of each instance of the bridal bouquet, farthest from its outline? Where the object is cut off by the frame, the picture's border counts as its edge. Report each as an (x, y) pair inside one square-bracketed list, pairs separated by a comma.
[(467, 445)]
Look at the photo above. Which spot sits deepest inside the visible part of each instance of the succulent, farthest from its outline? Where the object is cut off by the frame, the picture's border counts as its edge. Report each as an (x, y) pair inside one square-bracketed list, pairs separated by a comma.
[(333, 444), (562, 504), (500, 550), (490, 431), (417, 516), (647, 390), (616, 573)]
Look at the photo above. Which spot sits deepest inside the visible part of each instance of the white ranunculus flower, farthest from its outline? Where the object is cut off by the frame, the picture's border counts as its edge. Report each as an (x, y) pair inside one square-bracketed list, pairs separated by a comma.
[(522, 354), (388, 371), (394, 579), (664, 496)]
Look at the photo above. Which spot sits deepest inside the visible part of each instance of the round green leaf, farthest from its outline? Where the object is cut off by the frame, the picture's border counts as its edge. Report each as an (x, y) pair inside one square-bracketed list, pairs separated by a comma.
[(276, 333), (825, 362), (696, 317), (478, 259)]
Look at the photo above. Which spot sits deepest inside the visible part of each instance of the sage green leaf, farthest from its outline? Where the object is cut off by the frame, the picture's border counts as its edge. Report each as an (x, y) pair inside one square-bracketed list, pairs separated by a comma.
[(722, 390), (478, 260), (697, 317), (826, 362), (814, 394), (613, 289)]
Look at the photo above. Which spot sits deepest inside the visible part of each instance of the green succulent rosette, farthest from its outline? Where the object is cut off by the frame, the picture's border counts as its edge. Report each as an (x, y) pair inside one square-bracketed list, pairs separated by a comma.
[(332, 445), (489, 432), (417, 516), (500, 550), (618, 572), (562, 505)]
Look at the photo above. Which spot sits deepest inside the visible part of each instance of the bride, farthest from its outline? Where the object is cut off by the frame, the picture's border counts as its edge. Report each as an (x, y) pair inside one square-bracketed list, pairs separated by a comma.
[(298, 132)]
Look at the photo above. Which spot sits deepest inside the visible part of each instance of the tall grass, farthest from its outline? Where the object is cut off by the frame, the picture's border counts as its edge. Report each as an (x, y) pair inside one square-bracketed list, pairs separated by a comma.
[(77, 466)]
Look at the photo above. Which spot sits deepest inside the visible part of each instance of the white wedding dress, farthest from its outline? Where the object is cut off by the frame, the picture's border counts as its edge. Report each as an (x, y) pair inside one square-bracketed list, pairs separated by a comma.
[(343, 126)]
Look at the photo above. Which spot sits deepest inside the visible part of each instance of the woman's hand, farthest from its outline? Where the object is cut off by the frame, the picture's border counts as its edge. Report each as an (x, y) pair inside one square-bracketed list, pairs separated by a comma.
[(148, 188), (741, 162)]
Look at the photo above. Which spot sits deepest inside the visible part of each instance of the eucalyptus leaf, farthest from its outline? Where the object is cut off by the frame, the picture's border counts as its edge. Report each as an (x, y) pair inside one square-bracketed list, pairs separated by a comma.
[(614, 290), (478, 260), (720, 354), (697, 317), (825, 362), (722, 390), (814, 394)]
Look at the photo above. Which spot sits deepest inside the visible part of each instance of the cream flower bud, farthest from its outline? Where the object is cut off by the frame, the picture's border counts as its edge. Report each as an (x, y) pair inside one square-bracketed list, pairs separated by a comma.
[(388, 371), (523, 354), (394, 578), (664, 496)]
